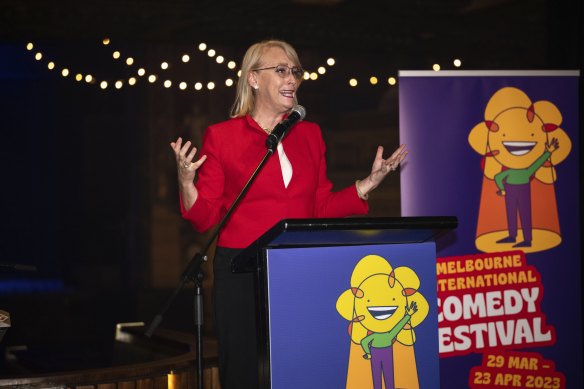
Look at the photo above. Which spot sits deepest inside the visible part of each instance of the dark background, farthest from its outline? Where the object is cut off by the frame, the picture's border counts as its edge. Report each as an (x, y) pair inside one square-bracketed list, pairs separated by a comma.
[(88, 192)]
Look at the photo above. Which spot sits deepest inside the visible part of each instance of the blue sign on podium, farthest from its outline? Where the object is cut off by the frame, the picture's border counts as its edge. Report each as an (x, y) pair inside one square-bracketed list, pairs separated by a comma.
[(348, 302)]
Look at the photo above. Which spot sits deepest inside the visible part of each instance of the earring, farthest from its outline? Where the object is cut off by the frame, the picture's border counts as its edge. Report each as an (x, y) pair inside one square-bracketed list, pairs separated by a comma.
[(256, 87)]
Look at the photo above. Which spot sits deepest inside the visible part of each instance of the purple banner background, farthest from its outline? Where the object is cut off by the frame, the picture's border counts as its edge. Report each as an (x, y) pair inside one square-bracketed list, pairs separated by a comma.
[(443, 176), (308, 338)]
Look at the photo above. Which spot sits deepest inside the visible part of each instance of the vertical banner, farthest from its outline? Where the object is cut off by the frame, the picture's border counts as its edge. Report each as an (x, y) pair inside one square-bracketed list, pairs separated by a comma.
[(499, 150)]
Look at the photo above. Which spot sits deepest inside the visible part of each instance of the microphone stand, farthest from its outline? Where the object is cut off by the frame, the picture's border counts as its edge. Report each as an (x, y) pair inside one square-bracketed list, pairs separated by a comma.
[(193, 273)]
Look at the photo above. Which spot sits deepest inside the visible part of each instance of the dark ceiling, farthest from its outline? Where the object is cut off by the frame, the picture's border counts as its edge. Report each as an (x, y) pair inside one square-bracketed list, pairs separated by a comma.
[(489, 33)]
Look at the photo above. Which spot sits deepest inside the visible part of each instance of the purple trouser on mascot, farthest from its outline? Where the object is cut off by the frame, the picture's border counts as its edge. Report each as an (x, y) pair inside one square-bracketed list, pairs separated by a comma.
[(382, 364), (518, 198)]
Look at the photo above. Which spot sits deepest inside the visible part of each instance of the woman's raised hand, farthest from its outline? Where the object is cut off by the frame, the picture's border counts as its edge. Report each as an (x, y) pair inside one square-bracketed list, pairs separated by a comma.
[(187, 170)]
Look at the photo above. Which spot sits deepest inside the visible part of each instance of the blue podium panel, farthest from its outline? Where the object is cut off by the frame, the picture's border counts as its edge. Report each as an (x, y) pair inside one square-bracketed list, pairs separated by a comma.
[(349, 316)]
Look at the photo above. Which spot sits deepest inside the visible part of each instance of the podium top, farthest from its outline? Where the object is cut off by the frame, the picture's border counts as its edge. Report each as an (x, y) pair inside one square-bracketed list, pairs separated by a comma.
[(290, 233)]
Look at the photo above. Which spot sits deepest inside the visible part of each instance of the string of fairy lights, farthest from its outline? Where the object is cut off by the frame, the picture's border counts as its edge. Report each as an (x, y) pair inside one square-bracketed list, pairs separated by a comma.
[(160, 75)]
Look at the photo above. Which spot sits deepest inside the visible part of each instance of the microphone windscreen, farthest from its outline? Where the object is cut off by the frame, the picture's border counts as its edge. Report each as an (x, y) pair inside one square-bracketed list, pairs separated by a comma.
[(300, 110)]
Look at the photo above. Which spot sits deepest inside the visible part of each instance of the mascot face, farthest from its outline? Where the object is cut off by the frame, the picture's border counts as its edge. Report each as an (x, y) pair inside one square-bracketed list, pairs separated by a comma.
[(377, 298), (515, 131), (381, 306), (514, 140)]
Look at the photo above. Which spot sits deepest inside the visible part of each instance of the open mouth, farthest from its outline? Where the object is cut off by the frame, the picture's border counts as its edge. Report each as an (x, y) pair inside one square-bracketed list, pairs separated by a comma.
[(519, 148), (287, 93), (381, 313)]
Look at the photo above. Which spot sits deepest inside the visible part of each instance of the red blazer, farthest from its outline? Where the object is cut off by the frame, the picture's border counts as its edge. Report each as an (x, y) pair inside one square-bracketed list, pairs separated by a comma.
[(234, 148)]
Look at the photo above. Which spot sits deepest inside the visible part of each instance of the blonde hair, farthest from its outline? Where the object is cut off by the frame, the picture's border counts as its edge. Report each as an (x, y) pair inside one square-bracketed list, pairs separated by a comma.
[(245, 98)]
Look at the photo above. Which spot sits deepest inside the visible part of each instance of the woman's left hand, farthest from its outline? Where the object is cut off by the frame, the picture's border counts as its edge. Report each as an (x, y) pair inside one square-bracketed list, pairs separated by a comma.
[(381, 168)]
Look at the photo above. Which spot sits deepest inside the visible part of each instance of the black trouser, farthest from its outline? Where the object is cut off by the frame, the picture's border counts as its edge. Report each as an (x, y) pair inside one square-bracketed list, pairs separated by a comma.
[(235, 323)]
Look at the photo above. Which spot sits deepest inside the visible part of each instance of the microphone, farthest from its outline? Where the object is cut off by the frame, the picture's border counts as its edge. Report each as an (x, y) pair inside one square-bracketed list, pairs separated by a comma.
[(298, 113)]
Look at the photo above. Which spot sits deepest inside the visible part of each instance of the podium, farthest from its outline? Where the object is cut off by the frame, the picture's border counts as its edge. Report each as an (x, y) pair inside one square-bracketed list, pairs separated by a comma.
[(346, 303)]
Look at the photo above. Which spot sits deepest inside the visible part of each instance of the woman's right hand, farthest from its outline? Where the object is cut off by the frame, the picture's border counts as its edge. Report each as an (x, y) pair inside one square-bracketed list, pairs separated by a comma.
[(187, 170), (185, 166)]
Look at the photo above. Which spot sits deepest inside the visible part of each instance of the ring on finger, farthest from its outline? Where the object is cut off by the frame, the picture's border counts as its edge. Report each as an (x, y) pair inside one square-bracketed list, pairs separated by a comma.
[(186, 164)]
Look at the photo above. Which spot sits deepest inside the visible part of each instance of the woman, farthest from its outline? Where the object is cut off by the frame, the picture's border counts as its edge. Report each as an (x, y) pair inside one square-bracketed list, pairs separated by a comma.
[(294, 185)]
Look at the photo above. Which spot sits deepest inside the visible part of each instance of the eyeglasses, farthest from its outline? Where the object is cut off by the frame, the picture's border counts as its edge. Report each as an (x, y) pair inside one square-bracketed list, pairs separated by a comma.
[(284, 71)]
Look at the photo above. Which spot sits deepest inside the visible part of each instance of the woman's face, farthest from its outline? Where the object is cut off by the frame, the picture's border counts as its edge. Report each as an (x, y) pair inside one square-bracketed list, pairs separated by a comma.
[(275, 92)]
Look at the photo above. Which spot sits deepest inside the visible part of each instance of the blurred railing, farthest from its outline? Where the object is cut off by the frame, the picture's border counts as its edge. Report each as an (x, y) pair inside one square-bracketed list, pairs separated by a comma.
[(167, 360)]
